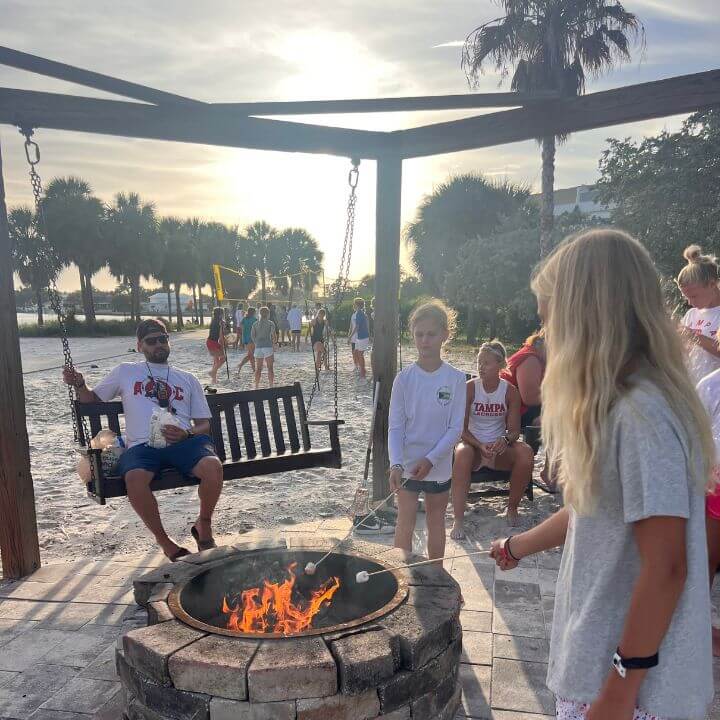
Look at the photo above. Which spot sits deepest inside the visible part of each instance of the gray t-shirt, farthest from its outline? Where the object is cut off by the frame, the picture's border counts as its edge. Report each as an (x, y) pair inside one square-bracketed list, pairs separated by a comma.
[(262, 332), (647, 471)]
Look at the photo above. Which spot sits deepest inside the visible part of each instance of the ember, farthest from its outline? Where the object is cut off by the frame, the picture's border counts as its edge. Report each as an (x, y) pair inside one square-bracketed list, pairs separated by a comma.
[(271, 609)]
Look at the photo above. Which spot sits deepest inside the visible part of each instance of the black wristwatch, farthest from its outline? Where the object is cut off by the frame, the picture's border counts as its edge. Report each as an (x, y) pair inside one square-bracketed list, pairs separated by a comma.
[(190, 433), (623, 664)]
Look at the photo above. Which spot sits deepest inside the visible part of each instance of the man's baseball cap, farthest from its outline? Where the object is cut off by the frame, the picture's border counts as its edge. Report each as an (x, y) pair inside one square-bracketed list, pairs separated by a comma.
[(147, 327)]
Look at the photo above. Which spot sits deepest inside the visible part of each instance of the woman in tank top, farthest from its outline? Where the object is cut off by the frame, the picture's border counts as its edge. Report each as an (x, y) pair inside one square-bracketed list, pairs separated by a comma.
[(490, 436)]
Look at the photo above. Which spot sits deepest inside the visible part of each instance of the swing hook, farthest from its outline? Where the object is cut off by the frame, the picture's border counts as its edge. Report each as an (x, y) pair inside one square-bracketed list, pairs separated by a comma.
[(32, 149), (354, 174)]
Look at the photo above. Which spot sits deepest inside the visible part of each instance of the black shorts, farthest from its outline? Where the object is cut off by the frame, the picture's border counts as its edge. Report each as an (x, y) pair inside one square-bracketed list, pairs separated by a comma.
[(429, 488)]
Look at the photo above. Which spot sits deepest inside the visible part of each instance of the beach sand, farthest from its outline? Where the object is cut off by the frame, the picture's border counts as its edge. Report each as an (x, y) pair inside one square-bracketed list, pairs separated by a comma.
[(72, 526)]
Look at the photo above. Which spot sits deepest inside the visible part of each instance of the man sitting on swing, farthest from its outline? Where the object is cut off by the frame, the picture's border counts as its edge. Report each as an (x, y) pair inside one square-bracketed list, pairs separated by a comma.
[(142, 387)]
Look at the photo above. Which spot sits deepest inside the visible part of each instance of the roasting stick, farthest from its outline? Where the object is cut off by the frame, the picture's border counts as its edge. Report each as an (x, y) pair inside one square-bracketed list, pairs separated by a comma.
[(311, 567), (363, 576)]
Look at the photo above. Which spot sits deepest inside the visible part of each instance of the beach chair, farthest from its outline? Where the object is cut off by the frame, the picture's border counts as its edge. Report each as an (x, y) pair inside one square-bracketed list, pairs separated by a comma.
[(259, 443)]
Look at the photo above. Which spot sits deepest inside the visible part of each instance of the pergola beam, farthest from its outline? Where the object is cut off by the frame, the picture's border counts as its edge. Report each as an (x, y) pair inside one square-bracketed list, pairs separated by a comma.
[(201, 124), (98, 81), (401, 104), (660, 98)]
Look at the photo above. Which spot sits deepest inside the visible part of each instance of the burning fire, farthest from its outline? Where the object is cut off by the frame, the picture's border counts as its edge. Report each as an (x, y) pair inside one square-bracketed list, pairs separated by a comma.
[(271, 608)]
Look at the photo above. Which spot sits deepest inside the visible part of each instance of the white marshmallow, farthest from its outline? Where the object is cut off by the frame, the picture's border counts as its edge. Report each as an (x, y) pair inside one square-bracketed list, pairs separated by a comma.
[(362, 577), (310, 568)]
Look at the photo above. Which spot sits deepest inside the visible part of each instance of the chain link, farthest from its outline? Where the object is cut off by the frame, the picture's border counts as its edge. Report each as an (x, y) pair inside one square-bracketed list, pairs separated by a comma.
[(341, 283), (32, 153)]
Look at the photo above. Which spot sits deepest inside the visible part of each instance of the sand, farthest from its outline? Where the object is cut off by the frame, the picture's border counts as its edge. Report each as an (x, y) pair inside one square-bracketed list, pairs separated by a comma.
[(72, 526)]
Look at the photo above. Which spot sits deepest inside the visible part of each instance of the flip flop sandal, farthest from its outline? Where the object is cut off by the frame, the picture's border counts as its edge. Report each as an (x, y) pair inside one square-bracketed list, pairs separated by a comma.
[(179, 553), (550, 490), (202, 544)]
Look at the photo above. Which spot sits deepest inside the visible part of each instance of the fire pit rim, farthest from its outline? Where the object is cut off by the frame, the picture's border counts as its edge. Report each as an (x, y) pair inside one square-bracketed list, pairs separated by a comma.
[(183, 616)]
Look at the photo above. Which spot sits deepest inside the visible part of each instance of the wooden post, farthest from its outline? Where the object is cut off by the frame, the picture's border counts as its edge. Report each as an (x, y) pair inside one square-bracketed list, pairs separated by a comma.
[(387, 291), (18, 529)]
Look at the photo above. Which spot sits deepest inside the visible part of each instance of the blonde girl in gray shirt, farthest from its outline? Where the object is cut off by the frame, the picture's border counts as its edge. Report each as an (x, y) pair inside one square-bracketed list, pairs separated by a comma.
[(622, 418)]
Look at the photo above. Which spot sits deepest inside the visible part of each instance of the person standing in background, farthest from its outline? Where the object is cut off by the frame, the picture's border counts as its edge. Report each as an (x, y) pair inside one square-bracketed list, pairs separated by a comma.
[(698, 282)]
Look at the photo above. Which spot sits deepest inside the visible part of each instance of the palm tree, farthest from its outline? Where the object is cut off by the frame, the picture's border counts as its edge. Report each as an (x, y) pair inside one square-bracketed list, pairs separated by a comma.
[(457, 210), (35, 261), (302, 261), (177, 259), (132, 232), (263, 243), (74, 223), (552, 45)]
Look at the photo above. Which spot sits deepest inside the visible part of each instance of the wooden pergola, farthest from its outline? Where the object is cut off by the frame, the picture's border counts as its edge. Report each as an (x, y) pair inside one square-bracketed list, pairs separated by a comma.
[(154, 114)]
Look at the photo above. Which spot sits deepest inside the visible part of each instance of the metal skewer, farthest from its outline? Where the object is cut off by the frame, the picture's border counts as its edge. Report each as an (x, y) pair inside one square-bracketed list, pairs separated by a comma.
[(311, 567), (363, 576)]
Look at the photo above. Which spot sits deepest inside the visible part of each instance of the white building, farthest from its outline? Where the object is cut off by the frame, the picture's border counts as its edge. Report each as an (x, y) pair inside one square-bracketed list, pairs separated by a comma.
[(582, 197), (158, 303)]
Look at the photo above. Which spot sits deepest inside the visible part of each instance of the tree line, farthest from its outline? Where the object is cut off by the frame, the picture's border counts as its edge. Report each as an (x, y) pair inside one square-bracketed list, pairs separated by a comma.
[(475, 242), (75, 228)]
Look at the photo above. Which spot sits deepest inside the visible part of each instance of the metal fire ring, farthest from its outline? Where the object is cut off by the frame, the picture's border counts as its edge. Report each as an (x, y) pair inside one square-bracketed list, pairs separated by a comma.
[(179, 612)]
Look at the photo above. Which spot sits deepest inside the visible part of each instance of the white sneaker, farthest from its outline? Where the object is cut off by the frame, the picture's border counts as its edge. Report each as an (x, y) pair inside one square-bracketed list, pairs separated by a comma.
[(373, 526)]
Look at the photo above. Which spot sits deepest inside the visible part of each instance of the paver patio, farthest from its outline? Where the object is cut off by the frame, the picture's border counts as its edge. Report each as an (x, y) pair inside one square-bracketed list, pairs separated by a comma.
[(58, 630)]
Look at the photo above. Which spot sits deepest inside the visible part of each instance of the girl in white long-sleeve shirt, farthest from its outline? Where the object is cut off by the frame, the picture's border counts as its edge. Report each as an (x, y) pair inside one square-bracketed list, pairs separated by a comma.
[(427, 410)]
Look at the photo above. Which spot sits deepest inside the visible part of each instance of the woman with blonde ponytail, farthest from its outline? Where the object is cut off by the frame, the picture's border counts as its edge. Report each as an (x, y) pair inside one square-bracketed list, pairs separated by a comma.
[(621, 415), (698, 282)]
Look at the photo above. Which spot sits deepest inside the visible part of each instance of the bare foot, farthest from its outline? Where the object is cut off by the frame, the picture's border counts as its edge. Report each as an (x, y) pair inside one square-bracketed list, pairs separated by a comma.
[(512, 517), (716, 642), (458, 531)]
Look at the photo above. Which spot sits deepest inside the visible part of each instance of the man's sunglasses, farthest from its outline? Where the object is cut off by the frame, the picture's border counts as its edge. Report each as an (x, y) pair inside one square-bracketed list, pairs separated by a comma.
[(155, 339)]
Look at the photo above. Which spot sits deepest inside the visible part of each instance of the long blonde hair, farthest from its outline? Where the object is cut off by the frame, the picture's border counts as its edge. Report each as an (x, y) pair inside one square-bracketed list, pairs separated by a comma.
[(606, 317)]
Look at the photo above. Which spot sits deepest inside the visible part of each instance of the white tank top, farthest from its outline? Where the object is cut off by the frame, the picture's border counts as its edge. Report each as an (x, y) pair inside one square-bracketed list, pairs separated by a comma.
[(488, 412)]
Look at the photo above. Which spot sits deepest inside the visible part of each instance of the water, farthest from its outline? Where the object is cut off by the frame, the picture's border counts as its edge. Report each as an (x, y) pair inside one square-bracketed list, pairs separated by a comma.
[(28, 318)]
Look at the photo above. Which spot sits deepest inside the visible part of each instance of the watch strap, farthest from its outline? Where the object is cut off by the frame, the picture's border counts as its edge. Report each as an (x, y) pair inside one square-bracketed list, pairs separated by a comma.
[(623, 664)]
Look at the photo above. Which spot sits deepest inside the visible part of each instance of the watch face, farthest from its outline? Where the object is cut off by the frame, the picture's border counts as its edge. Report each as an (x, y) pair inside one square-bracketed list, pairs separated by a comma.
[(618, 665)]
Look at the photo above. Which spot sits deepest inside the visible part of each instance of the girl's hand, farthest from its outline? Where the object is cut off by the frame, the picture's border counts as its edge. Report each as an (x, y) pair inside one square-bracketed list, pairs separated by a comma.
[(395, 479), (421, 470), (500, 555), (486, 450)]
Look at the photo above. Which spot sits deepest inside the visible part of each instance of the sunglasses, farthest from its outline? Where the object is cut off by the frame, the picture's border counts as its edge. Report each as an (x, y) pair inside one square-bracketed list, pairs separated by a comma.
[(155, 339)]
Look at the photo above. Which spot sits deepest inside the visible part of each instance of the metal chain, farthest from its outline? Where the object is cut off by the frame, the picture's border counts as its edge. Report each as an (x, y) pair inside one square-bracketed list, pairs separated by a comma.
[(32, 153), (341, 283)]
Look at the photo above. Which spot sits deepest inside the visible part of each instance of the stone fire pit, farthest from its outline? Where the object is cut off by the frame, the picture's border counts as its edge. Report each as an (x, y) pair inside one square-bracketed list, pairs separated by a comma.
[(401, 663)]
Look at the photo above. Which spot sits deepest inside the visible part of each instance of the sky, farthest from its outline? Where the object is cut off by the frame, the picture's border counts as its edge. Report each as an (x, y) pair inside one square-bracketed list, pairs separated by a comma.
[(252, 50)]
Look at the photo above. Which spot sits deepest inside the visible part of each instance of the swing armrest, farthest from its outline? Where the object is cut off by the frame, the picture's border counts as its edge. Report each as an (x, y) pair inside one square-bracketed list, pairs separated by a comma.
[(324, 422)]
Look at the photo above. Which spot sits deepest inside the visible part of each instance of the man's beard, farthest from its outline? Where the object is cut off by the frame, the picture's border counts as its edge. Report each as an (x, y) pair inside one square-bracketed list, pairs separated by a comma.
[(158, 355)]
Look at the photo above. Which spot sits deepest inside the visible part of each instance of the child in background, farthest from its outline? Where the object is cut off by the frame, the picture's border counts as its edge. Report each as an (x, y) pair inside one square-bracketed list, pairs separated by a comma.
[(359, 336), (264, 336), (491, 436), (427, 409), (247, 323)]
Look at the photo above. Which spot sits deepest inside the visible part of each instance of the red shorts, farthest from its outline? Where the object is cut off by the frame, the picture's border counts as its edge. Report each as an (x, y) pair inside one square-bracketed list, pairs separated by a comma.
[(213, 346), (712, 501)]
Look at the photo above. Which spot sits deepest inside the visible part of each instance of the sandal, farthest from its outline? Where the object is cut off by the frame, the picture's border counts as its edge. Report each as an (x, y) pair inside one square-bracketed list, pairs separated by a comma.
[(181, 552), (202, 544)]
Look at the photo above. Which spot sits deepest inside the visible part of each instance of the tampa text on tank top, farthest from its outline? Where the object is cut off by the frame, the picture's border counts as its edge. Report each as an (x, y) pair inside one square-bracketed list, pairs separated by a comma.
[(488, 412)]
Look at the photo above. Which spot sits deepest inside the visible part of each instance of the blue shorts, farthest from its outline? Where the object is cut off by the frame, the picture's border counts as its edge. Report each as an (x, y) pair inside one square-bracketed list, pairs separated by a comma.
[(182, 456)]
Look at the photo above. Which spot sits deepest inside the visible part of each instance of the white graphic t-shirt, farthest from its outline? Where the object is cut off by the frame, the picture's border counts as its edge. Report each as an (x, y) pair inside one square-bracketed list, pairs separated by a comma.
[(136, 385), (702, 321), (427, 412)]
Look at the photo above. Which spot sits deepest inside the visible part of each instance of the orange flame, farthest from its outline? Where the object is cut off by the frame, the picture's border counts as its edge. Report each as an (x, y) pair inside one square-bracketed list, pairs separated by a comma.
[(271, 609)]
